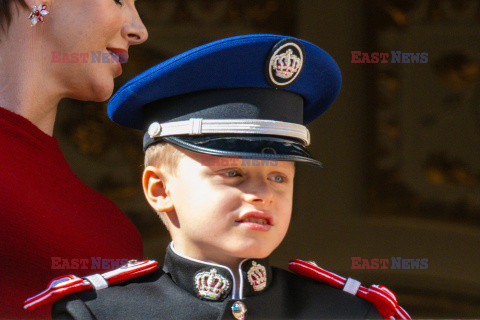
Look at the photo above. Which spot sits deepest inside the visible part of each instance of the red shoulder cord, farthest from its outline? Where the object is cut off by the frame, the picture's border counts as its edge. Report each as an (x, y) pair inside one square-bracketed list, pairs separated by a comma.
[(66, 285), (381, 297)]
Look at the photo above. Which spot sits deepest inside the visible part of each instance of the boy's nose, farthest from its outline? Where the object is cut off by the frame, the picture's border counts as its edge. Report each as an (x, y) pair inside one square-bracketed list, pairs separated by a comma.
[(258, 193)]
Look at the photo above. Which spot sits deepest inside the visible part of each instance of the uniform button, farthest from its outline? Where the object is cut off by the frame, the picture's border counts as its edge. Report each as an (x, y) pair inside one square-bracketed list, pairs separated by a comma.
[(239, 310)]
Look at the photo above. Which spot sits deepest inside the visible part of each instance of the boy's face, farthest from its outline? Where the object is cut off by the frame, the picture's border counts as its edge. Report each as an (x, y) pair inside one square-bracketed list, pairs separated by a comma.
[(228, 209)]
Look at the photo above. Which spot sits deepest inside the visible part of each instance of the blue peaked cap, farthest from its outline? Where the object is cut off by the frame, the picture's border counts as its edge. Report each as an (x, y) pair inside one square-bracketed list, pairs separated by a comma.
[(236, 62), (253, 78)]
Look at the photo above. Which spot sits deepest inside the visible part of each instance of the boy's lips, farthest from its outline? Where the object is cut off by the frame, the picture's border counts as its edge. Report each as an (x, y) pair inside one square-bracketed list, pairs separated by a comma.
[(256, 217)]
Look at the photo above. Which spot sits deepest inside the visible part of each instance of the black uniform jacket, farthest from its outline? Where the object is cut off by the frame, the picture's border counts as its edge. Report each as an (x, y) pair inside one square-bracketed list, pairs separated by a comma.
[(192, 289)]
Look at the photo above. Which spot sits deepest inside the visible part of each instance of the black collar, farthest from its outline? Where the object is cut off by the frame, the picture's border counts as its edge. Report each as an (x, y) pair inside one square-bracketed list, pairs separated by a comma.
[(214, 282)]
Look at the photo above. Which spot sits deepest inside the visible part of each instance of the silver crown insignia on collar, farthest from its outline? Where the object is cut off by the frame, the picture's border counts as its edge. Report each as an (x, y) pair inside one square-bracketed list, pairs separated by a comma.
[(211, 285), (257, 276)]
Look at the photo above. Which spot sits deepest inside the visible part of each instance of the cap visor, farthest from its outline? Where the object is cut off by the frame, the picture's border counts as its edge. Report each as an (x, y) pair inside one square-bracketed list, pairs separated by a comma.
[(247, 147)]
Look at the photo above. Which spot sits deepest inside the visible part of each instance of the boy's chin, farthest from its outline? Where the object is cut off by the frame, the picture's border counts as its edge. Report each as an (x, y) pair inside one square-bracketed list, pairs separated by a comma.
[(255, 253)]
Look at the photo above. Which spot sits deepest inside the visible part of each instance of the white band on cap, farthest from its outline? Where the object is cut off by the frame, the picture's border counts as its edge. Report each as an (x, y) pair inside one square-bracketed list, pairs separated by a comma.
[(97, 281), (351, 286), (234, 126)]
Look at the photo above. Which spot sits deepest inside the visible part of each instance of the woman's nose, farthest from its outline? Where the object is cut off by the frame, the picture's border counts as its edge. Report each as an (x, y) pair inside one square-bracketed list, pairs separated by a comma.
[(134, 30)]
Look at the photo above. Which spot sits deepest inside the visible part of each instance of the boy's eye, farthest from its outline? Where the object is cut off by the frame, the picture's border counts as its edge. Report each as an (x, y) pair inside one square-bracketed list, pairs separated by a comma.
[(119, 2), (232, 174), (279, 179)]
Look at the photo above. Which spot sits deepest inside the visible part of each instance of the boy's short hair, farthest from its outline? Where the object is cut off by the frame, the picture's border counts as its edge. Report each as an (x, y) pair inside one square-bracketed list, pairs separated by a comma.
[(164, 155)]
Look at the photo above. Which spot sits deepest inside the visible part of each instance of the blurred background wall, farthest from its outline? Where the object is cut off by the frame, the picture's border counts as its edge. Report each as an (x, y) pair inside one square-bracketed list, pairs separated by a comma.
[(401, 144)]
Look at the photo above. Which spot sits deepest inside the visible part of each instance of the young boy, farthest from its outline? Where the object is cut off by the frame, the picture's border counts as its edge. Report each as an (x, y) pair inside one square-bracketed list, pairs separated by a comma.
[(224, 125)]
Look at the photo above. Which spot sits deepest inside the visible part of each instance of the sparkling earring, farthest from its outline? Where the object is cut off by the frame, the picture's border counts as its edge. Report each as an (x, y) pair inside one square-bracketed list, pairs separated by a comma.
[(37, 14)]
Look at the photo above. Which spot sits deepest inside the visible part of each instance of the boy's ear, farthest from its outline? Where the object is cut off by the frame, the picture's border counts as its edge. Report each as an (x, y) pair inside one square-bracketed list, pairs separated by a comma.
[(156, 191)]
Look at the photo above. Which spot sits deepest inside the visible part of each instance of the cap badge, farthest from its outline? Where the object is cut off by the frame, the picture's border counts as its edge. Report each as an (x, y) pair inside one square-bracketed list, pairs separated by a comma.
[(210, 285), (257, 276), (285, 63)]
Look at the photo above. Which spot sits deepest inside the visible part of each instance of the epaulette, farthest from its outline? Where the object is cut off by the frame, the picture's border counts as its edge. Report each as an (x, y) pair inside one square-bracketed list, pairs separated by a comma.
[(66, 285), (381, 297)]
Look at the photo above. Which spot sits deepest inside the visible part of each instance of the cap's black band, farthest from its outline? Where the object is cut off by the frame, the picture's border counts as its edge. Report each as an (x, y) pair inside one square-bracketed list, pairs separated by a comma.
[(244, 103)]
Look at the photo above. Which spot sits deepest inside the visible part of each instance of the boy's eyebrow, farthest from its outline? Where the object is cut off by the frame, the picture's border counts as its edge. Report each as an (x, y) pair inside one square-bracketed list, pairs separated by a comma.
[(284, 171)]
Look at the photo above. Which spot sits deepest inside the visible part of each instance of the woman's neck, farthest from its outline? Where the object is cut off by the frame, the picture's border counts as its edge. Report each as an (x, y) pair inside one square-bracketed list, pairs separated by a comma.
[(25, 86)]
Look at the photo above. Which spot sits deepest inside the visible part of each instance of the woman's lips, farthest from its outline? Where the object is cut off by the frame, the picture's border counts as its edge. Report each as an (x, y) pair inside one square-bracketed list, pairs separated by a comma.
[(120, 55)]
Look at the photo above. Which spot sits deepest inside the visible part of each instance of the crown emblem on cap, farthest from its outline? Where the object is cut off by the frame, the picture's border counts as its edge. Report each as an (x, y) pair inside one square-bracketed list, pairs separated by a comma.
[(257, 276), (211, 285), (285, 63)]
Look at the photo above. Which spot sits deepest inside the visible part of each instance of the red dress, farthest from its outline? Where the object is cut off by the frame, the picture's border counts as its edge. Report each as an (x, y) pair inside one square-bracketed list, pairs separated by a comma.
[(51, 222)]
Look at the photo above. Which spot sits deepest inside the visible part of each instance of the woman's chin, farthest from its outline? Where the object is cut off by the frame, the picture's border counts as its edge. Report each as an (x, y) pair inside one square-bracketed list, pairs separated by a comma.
[(102, 91), (97, 91), (102, 97)]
